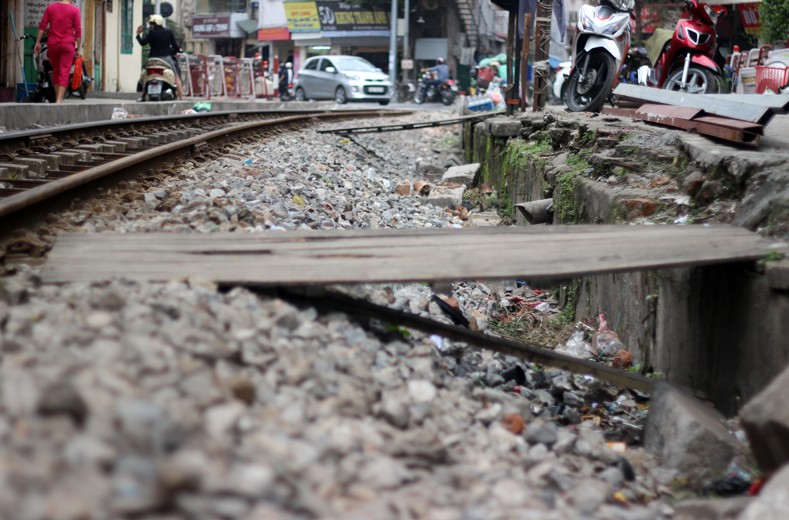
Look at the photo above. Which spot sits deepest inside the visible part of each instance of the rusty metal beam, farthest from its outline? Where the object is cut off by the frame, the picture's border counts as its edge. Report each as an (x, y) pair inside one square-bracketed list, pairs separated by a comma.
[(690, 119)]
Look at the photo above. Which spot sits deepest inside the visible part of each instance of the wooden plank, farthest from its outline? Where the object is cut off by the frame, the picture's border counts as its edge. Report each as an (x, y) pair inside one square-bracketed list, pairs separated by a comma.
[(755, 113), (298, 258)]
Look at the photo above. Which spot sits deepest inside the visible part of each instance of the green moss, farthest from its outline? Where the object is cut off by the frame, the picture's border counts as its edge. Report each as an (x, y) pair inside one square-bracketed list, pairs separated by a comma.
[(564, 203), (486, 160)]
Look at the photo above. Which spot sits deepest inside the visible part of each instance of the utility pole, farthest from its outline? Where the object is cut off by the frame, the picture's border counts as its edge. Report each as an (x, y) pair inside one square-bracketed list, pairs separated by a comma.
[(393, 43), (406, 21)]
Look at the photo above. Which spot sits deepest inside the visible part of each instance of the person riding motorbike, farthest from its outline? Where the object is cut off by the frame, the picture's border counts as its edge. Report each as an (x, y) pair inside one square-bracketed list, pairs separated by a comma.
[(163, 46), (440, 73)]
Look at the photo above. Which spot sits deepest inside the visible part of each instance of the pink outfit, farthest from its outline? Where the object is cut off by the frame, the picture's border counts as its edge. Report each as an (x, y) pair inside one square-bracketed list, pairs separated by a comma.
[(65, 26)]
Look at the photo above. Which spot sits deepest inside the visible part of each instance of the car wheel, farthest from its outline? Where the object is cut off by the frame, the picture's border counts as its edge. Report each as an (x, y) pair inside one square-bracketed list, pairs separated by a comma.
[(300, 95), (340, 96)]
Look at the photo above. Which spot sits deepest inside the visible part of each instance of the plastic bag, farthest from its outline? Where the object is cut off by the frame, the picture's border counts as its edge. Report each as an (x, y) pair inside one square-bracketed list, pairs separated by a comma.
[(576, 346), (119, 113)]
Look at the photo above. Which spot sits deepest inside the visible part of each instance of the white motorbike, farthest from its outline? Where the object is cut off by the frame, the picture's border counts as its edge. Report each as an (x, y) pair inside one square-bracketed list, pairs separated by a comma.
[(599, 49), (158, 81)]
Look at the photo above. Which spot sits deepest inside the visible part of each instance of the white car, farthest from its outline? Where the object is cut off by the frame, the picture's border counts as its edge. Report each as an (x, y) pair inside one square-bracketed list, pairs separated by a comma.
[(342, 78)]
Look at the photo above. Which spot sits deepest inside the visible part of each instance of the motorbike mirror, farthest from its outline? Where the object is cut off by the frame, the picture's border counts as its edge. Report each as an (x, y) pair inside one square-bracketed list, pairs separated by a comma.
[(331, 70)]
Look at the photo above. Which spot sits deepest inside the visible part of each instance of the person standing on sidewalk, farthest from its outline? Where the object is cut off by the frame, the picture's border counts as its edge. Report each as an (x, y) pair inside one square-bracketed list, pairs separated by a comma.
[(63, 41)]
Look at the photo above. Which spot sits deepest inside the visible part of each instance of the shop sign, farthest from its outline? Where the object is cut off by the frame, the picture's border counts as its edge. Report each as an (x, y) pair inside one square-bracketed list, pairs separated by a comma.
[(34, 12), (302, 17), (751, 22), (341, 16), (211, 26)]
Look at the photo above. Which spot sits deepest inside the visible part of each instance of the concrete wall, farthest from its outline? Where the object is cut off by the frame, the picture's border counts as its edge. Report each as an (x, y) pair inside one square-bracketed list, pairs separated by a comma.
[(720, 330), (121, 71)]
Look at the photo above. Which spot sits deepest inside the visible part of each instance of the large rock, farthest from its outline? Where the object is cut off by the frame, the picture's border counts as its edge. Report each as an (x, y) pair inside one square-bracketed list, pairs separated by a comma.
[(443, 196), (463, 174), (688, 436), (765, 419), (773, 501)]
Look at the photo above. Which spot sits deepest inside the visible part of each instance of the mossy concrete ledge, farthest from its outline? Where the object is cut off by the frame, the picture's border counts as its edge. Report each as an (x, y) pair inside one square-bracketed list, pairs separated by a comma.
[(719, 330)]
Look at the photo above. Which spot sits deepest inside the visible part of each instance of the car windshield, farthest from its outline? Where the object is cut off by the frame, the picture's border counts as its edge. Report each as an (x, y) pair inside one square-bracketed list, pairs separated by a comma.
[(354, 64)]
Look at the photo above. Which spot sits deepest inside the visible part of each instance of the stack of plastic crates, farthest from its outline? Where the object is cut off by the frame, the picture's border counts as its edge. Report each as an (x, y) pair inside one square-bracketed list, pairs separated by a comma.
[(771, 78)]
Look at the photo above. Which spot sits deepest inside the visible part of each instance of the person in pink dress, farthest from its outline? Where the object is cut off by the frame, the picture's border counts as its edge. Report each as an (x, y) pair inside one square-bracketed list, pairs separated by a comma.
[(63, 41)]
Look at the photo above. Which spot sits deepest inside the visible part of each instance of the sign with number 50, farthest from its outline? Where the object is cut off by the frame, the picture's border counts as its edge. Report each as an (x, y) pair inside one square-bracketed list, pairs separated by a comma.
[(749, 14)]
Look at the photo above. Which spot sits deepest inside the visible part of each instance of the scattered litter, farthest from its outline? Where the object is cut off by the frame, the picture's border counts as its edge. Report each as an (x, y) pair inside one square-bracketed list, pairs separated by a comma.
[(422, 188), (119, 113), (576, 346), (202, 106), (606, 341), (514, 423)]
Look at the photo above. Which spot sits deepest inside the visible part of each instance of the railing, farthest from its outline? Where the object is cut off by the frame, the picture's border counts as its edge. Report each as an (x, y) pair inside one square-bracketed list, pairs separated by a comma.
[(224, 76)]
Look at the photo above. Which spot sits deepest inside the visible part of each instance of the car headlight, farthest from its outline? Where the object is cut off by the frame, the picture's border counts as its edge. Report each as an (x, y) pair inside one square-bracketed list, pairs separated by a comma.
[(352, 77)]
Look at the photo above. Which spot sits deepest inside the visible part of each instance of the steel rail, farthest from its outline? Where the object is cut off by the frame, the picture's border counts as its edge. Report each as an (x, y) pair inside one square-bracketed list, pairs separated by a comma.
[(56, 187), (407, 126), (37, 133), (329, 301)]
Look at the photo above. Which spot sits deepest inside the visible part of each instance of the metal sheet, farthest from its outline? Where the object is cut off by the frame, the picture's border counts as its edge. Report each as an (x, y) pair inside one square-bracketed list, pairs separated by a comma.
[(778, 104), (712, 105)]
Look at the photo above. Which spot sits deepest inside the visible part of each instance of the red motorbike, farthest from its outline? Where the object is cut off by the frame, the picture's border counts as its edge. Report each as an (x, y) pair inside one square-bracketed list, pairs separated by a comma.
[(687, 58)]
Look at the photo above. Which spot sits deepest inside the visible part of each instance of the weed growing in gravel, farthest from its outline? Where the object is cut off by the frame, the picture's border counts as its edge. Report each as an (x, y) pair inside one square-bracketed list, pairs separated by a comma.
[(532, 327)]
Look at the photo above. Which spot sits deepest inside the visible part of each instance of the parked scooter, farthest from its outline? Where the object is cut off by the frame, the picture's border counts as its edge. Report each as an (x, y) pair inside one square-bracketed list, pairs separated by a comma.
[(158, 81), (687, 57), (45, 89), (599, 50), (558, 74), (446, 92)]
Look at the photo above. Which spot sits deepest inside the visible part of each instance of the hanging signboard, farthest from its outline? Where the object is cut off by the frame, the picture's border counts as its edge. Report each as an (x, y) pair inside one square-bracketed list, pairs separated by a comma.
[(751, 22), (342, 16), (211, 26), (302, 17)]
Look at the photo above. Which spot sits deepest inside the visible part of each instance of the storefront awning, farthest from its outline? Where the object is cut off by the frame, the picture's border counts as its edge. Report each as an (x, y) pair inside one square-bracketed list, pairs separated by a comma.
[(249, 26)]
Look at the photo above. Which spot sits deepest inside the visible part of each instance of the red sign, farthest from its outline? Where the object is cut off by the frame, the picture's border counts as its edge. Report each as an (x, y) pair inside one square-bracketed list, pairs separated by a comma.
[(749, 14)]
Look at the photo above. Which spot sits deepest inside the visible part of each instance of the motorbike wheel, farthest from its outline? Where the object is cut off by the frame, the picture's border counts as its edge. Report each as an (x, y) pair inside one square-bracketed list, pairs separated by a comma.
[(700, 81), (340, 97), (419, 97), (447, 97), (300, 95), (83, 90), (384, 102), (590, 94)]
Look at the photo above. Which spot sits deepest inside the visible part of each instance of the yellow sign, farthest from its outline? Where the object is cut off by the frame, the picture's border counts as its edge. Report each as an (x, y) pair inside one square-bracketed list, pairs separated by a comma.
[(302, 16)]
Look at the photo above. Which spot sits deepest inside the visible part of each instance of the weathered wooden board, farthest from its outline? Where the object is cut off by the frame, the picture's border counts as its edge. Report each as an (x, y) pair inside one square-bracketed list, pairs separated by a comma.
[(299, 258)]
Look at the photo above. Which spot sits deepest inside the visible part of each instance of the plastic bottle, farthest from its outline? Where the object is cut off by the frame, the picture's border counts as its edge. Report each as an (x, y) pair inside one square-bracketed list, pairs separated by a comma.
[(606, 341)]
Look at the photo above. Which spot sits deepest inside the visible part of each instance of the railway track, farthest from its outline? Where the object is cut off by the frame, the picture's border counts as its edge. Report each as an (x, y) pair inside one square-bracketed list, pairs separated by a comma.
[(40, 165)]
